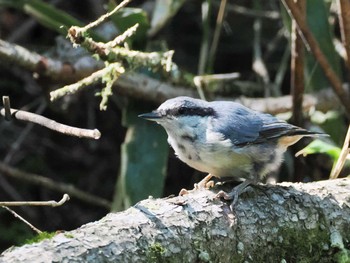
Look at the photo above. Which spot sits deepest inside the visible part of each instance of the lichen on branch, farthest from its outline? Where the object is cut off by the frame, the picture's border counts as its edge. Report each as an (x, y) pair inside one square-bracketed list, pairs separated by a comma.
[(118, 59)]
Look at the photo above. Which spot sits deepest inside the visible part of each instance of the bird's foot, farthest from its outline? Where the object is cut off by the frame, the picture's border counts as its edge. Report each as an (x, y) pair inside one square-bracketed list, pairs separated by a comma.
[(205, 183), (234, 193)]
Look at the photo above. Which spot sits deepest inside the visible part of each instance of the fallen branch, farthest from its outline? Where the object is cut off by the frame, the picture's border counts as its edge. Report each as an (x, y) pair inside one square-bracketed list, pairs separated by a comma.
[(301, 222)]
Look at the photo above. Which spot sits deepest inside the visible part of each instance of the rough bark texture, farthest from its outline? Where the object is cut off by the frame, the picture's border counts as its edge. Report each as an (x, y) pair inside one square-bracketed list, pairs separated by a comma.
[(292, 222)]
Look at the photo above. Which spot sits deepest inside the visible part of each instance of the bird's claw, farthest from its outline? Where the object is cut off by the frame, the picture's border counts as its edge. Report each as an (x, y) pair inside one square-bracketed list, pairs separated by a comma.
[(234, 193), (224, 195), (205, 183)]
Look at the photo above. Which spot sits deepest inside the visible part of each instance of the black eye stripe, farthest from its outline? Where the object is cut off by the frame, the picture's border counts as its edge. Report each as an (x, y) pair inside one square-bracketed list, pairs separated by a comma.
[(191, 111)]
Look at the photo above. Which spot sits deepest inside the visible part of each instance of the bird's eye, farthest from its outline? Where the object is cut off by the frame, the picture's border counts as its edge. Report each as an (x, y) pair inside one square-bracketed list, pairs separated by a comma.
[(182, 110)]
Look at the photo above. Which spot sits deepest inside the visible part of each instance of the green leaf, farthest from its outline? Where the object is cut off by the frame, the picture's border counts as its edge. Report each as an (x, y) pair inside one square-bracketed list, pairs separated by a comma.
[(318, 146), (318, 22), (47, 15), (10, 3), (144, 156), (50, 17)]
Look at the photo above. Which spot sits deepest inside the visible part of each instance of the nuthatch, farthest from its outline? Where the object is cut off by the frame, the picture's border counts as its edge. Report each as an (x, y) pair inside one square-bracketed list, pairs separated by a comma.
[(226, 139)]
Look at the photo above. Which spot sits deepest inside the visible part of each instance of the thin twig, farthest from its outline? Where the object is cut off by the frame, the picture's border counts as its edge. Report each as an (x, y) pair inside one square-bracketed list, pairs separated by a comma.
[(121, 38), (342, 157), (274, 44), (217, 77), (252, 12), (52, 203), (211, 82), (297, 84), (259, 65), (281, 72), (53, 185), (85, 82), (217, 33), (105, 16), (7, 107), (319, 56), (23, 220), (204, 49), (297, 68), (53, 125), (344, 22), (23, 135)]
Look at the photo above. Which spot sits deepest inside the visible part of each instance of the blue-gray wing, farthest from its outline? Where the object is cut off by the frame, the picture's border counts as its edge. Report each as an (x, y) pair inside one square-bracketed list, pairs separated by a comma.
[(244, 126)]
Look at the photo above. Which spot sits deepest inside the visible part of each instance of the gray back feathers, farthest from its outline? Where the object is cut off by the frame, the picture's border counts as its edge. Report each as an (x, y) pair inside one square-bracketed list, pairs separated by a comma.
[(236, 122)]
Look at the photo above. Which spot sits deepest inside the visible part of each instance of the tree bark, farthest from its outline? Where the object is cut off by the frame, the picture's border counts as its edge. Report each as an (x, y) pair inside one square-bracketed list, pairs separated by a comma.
[(289, 222)]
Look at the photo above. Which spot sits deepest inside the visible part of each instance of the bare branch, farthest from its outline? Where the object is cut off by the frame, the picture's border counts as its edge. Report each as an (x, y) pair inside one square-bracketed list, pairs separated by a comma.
[(344, 21), (102, 18), (56, 186), (297, 68), (7, 107), (43, 65), (52, 203), (89, 80), (121, 38), (240, 9), (51, 124)]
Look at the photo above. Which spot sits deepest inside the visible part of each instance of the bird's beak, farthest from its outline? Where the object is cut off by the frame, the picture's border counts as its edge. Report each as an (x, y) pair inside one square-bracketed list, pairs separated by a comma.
[(152, 116)]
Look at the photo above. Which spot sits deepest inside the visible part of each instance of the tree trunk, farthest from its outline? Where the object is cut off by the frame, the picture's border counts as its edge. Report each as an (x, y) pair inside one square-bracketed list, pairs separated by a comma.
[(282, 223)]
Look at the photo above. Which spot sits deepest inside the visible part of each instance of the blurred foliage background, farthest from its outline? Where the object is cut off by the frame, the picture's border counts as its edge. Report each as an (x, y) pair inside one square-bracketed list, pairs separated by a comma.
[(132, 160)]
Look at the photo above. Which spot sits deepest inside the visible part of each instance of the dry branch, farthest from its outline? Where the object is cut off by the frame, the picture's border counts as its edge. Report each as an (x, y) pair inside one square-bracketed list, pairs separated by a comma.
[(54, 69), (38, 231), (344, 21), (342, 157), (51, 124), (297, 68), (52, 203), (284, 223)]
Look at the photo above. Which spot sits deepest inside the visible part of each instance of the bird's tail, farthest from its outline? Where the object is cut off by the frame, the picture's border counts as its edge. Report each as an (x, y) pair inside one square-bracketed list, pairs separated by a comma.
[(304, 132)]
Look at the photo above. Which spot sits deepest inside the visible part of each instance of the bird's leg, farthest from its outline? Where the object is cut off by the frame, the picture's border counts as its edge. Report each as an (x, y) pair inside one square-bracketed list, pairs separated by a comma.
[(205, 183), (235, 192)]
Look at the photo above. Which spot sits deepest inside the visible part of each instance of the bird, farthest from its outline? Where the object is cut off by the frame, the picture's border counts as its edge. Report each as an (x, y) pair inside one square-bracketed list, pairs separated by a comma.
[(225, 139)]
